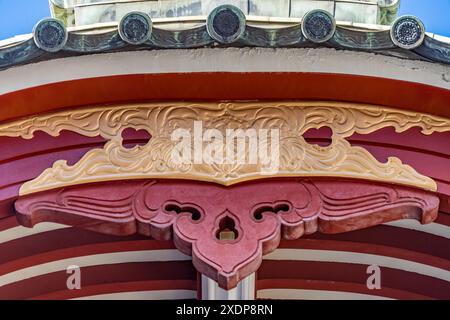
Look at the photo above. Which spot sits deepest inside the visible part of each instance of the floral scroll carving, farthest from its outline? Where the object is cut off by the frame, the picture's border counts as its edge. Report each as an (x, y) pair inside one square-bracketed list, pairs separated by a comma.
[(297, 157), (260, 213)]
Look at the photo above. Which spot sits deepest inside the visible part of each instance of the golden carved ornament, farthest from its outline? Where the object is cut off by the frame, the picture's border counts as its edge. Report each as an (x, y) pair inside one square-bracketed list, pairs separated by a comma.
[(293, 119)]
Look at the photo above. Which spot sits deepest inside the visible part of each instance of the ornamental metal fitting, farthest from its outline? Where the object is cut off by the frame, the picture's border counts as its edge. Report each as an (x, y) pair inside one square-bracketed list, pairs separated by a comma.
[(408, 32), (226, 24), (135, 28), (318, 26), (50, 35)]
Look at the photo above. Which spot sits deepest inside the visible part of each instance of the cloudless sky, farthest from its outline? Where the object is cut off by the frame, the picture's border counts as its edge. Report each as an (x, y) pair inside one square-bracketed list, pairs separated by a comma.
[(19, 16)]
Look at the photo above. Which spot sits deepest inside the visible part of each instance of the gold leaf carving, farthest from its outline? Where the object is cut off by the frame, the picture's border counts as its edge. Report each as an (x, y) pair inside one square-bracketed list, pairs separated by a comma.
[(297, 157)]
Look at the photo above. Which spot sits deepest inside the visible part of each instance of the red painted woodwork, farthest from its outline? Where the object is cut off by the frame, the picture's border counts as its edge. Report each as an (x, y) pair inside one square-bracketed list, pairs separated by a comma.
[(61, 242), (141, 209), (225, 86), (389, 240), (92, 249), (192, 214), (23, 160), (380, 239), (368, 248), (383, 240), (109, 278), (115, 287), (277, 270), (323, 285)]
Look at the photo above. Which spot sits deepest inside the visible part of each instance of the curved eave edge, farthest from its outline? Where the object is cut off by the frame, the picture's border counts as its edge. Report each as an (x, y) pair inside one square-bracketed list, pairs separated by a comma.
[(289, 37)]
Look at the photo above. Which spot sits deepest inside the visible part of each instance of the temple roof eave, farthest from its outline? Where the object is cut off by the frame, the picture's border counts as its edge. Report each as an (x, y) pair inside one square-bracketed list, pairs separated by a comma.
[(238, 25), (196, 33)]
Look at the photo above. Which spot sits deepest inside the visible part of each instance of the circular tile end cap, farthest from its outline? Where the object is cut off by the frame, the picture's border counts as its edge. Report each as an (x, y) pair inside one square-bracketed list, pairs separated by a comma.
[(408, 32), (135, 28), (226, 24), (318, 26), (50, 35)]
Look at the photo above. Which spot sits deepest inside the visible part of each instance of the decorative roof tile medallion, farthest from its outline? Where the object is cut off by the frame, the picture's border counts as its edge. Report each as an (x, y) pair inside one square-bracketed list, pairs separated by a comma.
[(135, 28), (226, 24), (50, 35), (318, 26), (408, 32)]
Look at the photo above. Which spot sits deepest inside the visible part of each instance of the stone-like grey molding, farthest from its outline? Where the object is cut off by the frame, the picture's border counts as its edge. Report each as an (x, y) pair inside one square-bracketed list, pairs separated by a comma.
[(77, 43)]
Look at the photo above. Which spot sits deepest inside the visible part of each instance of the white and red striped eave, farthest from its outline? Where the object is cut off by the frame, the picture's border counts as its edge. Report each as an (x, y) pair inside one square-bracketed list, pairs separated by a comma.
[(413, 257)]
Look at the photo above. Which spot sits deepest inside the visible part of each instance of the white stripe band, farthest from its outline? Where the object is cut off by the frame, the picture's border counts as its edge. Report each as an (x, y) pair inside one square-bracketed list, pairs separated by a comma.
[(22, 232), (302, 294), (432, 228), (145, 295), (93, 260), (322, 60), (358, 258)]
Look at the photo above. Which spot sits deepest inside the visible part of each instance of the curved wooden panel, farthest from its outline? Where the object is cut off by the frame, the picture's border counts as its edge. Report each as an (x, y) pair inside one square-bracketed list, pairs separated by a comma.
[(329, 278), (225, 86)]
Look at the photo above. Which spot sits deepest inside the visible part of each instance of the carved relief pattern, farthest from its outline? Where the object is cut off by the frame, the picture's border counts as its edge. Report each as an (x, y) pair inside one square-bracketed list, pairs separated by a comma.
[(259, 214), (408, 32), (135, 28), (50, 35), (318, 26), (297, 157)]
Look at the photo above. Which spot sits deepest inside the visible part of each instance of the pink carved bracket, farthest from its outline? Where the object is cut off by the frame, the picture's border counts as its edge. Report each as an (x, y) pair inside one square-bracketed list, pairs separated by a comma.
[(258, 214)]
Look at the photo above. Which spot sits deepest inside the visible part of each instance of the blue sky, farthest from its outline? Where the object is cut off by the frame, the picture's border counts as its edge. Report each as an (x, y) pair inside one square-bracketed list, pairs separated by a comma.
[(19, 16)]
